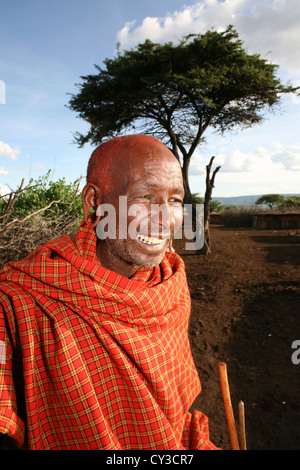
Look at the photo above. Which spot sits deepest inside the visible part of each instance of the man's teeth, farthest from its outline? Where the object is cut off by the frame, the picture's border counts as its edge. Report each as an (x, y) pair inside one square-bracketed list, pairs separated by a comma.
[(150, 240)]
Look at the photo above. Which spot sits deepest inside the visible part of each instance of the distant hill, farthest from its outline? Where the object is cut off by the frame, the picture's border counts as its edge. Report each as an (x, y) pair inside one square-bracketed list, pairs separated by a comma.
[(243, 200)]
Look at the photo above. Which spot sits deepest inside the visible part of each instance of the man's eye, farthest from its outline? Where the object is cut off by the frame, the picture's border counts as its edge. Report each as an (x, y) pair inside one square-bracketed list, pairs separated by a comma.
[(176, 200)]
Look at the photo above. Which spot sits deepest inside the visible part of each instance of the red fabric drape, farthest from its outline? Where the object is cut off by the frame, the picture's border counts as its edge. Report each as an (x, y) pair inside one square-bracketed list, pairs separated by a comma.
[(94, 360)]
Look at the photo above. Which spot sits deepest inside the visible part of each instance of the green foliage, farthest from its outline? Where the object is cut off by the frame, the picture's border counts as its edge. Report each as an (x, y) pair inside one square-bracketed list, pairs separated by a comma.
[(40, 193), (292, 202), (197, 199), (278, 201), (270, 200), (40, 212), (215, 206), (176, 91)]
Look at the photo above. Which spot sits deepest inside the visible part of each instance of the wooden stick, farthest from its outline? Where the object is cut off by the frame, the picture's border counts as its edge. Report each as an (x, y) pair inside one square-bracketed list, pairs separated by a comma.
[(242, 426), (228, 406)]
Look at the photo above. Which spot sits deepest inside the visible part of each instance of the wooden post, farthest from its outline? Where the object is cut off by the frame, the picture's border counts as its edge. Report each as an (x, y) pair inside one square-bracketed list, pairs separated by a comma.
[(228, 406), (242, 428)]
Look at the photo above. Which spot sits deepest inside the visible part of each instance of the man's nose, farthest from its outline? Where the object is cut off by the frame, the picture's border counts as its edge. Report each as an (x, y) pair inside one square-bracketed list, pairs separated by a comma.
[(162, 218)]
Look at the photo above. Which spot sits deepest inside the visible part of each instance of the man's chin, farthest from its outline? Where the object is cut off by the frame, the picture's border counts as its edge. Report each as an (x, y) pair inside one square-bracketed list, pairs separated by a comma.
[(151, 263), (132, 255)]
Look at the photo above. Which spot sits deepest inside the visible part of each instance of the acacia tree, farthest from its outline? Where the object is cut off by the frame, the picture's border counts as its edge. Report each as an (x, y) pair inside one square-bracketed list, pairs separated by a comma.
[(175, 92), (270, 200)]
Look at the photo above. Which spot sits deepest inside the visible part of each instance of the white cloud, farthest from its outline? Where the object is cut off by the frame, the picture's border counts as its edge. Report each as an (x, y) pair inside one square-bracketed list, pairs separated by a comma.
[(3, 172), (263, 161), (268, 27), (238, 162), (39, 166), (4, 190), (8, 152), (289, 157), (265, 169)]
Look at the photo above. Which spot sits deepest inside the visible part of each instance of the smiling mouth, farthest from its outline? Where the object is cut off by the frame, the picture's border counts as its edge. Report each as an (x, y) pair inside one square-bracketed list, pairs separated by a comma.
[(150, 240)]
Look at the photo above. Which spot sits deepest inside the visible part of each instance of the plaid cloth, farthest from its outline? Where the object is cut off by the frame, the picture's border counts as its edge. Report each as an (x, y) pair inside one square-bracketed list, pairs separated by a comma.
[(94, 360)]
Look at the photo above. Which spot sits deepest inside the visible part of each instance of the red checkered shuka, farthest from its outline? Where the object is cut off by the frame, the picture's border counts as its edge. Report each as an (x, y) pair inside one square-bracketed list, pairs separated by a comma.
[(93, 360)]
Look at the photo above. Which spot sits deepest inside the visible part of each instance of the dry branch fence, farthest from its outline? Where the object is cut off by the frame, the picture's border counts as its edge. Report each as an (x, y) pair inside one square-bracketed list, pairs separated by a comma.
[(20, 236)]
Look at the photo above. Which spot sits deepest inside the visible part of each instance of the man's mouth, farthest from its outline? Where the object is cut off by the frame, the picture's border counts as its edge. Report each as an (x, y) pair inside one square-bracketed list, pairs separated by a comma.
[(150, 240)]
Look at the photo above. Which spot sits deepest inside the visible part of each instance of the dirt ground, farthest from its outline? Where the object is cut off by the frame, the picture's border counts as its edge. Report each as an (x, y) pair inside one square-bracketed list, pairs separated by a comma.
[(245, 312)]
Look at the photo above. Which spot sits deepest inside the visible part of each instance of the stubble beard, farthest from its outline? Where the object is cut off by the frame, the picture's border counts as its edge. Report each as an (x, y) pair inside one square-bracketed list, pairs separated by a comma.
[(120, 250)]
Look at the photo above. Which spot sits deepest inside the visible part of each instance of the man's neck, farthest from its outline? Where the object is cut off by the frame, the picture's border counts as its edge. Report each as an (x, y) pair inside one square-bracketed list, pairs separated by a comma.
[(111, 262)]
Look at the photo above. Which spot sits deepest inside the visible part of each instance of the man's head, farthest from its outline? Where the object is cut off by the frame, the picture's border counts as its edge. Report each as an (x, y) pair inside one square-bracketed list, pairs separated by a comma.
[(145, 173)]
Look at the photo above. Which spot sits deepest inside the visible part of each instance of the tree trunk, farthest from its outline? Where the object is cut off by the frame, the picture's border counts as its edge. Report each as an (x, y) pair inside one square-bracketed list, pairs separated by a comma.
[(188, 199), (206, 248), (185, 175)]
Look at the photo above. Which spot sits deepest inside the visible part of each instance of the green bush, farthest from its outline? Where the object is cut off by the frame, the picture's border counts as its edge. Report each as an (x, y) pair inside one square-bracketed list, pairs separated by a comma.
[(215, 206), (292, 202), (40, 193)]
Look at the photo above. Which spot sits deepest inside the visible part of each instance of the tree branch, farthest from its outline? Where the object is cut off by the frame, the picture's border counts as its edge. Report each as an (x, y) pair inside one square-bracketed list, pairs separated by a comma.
[(14, 221)]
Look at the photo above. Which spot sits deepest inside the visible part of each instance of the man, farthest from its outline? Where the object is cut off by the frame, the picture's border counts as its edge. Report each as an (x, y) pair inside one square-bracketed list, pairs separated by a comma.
[(94, 330)]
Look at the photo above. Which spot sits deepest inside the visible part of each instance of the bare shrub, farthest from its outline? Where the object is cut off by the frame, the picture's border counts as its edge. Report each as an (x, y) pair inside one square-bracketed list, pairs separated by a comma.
[(239, 216), (24, 236)]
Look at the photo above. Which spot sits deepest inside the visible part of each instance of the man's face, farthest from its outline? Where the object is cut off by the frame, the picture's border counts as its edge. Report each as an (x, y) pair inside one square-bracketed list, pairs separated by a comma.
[(150, 180)]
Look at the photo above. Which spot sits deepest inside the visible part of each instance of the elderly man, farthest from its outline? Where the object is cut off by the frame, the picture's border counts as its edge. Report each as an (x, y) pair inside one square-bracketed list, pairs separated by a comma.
[(95, 351)]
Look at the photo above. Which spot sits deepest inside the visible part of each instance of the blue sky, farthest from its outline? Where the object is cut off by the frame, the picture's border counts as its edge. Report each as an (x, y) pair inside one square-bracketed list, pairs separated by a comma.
[(46, 45)]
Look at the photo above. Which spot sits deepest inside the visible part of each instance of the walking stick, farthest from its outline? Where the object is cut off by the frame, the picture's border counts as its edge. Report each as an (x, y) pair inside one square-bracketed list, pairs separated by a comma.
[(228, 406)]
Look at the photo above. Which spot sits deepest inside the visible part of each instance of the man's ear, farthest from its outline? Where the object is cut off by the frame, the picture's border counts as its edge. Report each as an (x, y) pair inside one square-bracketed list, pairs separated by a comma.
[(91, 199)]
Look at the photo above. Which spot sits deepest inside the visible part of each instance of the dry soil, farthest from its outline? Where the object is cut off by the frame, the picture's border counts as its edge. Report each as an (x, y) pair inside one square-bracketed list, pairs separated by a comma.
[(245, 312)]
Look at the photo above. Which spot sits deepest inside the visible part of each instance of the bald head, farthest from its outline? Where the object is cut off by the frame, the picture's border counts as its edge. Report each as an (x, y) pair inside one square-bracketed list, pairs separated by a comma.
[(110, 157)]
